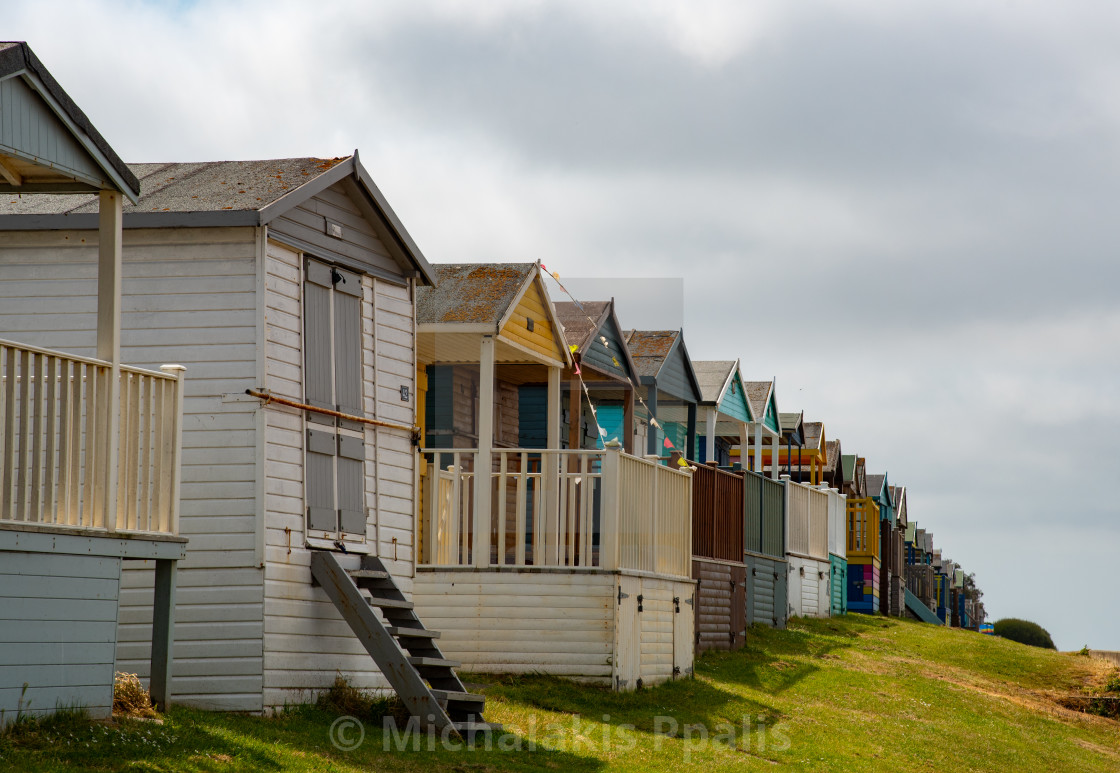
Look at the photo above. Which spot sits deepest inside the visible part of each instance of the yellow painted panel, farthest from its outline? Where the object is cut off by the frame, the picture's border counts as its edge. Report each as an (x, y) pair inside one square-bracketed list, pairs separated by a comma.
[(542, 339)]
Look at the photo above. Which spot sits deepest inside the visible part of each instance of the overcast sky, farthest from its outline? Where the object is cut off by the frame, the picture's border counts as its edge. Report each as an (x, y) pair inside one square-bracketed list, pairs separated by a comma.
[(905, 212)]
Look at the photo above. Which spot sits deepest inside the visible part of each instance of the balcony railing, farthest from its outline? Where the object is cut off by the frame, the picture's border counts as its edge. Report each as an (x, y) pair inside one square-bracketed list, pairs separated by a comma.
[(553, 508), (863, 528), (55, 466), (808, 520)]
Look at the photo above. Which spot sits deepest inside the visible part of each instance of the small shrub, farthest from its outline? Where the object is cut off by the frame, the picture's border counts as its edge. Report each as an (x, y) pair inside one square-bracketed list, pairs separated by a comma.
[(1113, 683), (343, 699), (1084, 651), (1024, 632), (130, 698)]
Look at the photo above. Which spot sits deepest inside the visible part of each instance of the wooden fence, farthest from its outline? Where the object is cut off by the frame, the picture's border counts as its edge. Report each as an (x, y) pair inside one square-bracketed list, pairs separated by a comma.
[(808, 520), (764, 515), (717, 513), (55, 466)]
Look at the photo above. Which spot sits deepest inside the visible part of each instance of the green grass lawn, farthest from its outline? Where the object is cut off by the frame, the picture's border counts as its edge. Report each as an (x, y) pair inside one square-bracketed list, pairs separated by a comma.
[(849, 694)]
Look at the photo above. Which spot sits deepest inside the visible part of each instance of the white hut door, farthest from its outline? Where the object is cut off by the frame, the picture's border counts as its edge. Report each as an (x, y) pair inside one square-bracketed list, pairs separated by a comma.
[(332, 345)]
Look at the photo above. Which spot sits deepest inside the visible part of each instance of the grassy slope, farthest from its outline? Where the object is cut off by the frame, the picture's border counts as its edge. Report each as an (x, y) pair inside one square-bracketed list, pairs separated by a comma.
[(855, 694)]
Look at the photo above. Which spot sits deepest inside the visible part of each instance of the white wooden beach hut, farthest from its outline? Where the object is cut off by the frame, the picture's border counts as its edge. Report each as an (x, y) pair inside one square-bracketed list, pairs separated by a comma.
[(287, 287), (89, 452)]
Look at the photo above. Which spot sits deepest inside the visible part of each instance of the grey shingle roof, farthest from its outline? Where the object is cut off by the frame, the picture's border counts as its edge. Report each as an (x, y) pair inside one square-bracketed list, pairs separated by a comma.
[(757, 392), (875, 484), (471, 292), (16, 56), (814, 431), (580, 324), (649, 348), (209, 186), (712, 375)]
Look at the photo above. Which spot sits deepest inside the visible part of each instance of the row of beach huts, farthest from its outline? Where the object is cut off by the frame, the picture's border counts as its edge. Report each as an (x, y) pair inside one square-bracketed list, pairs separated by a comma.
[(250, 439)]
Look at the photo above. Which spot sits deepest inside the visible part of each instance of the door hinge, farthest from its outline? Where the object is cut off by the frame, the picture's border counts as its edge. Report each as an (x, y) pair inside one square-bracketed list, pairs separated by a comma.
[(640, 599), (691, 601), (620, 682), (622, 595)]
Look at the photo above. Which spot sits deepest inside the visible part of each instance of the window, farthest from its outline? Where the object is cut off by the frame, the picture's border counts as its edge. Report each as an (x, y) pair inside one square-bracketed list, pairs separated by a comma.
[(332, 356)]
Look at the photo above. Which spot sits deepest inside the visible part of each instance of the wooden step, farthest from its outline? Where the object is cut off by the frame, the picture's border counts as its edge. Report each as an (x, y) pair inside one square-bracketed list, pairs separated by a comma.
[(425, 662), (460, 697), (419, 633), (368, 574), (383, 603), (467, 729)]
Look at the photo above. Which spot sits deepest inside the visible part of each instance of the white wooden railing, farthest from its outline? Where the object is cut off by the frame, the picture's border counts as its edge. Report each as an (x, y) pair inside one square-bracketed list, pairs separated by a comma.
[(55, 468), (559, 508), (807, 520), (837, 523)]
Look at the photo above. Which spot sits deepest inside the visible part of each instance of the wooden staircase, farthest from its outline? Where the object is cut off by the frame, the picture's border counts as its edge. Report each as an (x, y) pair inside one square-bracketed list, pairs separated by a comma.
[(404, 650)]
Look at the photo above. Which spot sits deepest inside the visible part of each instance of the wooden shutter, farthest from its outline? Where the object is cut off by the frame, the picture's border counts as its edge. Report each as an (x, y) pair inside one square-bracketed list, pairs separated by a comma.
[(351, 485), (322, 514), (335, 462)]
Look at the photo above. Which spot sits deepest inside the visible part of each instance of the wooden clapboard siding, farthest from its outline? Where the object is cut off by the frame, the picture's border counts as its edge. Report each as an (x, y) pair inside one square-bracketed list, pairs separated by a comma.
[(59, 622), (394, 345), (189, 298), (558, 623), (360, 243), (300, 621), (673, 378), (543, 339), (767, 590), (809, 586), (37, 133), (603, 357), (720, 604)]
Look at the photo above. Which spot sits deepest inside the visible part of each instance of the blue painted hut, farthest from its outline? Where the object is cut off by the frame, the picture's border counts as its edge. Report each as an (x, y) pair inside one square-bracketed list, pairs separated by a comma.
[(602, 381), (669, 388)]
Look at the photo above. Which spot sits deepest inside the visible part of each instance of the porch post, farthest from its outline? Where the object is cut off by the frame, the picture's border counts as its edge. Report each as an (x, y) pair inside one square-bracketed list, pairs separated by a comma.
[(690, 436), (710, 437), (575, 415), (758, 448), (110, 236), (484, 462), (547, 530), (775, 455), (628, 421), (651, 436), (744, 440), (163, 632)]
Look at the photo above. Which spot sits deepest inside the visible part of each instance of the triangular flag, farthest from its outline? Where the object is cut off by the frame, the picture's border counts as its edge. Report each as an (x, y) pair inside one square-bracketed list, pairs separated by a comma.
[(556, 275), (615, 361), (573, 348), (682, 462), (668, 443)]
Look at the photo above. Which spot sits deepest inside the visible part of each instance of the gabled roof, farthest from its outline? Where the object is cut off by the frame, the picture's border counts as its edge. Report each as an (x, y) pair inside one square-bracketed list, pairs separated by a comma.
[(760, 395), (814, 435), (714, 377), (792, 425), (653, 350), (472, 293), (849, 464), (18, 61), (832, 455), (218, 193), (877, 487), (582, 324)]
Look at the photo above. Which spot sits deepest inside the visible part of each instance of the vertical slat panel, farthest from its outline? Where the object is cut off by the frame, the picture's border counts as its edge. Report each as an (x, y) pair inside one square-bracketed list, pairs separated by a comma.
[(50, 471), (26, 361), (38, 382), (144, 457), (66, 467), (8, 457), (503, 489), (161, 474), (523, 487)]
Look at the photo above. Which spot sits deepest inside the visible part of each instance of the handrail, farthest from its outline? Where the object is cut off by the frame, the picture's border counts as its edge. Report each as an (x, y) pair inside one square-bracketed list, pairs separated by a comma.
[(268, 397), (4, 343)]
